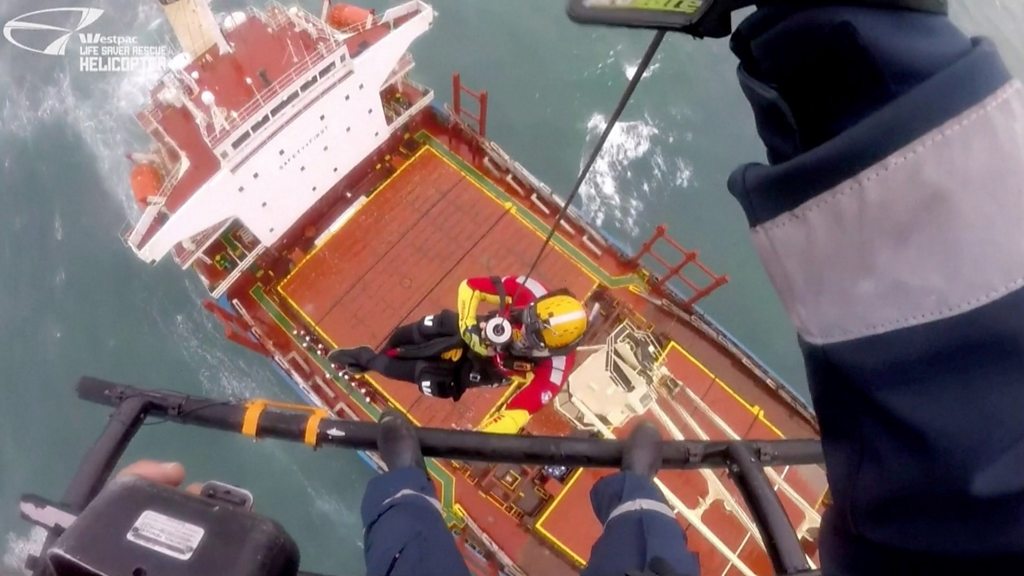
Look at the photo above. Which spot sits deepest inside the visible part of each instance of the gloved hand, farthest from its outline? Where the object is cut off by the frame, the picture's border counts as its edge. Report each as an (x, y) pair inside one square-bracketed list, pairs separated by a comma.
[(505, 422), (473, 336)]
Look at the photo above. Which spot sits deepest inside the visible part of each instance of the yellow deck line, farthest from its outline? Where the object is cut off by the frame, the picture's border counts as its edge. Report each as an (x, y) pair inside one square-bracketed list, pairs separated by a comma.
[(539, 526), (435, 469), (469, 178), (611, 281), (391, 400), (757, 411), (340, 228), (283, 284)]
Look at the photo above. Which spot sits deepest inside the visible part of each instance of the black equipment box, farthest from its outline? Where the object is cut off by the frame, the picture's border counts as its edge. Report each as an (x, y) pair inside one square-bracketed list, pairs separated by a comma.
[(137, 528)]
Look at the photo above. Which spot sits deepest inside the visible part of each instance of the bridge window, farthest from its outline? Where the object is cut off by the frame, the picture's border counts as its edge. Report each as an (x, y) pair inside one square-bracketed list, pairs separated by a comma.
[(257, 125), (284, 103), (241, 140), (327, 70)]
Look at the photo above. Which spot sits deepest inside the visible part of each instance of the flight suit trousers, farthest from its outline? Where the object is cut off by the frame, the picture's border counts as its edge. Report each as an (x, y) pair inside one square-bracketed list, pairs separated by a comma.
[(640, 530), (404, 533)]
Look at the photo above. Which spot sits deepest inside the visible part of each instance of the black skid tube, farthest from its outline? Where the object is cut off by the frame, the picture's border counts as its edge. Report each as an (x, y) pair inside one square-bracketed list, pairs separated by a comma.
[(439, 443)]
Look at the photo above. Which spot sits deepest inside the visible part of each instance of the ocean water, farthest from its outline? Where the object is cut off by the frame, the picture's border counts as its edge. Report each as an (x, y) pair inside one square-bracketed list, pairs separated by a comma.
[(74, 300)]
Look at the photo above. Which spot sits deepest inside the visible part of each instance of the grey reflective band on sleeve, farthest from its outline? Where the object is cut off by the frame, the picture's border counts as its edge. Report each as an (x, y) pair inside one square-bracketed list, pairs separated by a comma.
[(931, 232), (642, 504), (406, 492)]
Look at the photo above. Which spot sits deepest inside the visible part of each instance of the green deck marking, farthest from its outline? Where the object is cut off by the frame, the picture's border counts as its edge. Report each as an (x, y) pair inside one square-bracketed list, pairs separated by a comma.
[(532, 219), (233, 247), (452, 518)]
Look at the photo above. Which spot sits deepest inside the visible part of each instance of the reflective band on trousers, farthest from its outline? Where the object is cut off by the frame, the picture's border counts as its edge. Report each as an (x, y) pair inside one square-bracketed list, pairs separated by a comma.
[(639, 505), (931, 232), (407, 492)]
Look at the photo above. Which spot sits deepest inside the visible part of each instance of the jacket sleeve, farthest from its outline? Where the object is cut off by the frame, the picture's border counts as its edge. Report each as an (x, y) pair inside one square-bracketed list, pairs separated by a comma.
[(549, 375), (889, 224), (472, 292)]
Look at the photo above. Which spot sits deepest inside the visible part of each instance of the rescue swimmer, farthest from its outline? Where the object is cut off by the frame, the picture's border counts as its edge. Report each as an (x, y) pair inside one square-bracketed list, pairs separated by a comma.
[(530, 336)]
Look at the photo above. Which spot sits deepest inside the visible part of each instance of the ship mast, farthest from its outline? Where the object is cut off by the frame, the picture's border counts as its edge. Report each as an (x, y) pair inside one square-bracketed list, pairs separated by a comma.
[(194, 26)]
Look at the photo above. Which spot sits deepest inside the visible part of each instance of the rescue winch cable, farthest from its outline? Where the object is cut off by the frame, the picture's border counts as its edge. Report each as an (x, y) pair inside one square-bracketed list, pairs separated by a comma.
[(627, 94)]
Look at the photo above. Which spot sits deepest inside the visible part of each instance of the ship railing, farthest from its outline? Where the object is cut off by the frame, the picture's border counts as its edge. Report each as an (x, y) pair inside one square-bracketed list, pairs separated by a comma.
[(176, 172), (132, 232), (217, 136), (148, 117), (303, 19), (507, 565), (388, 18), (274, 16), (704, 323), (428, 97), (277, 15), (242, 267), (184, 257), (540, 194)]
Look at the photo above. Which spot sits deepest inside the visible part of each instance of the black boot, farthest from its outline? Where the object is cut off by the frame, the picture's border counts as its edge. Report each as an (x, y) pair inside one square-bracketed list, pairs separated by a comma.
[(642, 453), (354, 360), (397, 442)]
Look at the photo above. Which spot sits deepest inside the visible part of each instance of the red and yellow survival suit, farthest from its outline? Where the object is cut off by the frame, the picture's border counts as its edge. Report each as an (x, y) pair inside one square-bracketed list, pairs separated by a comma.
[(546, 328)]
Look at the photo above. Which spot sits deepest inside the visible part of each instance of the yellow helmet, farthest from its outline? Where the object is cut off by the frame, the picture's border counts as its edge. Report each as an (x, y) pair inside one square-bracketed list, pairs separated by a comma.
[(555, 321)]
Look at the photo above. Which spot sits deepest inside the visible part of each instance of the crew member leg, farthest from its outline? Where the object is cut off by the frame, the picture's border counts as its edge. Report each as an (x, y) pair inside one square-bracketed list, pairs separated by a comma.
[(403, 531), (445, 323), (640, 530)]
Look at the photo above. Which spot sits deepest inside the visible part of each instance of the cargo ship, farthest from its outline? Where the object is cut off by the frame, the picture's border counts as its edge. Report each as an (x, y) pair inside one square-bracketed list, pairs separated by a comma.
[(323, 198)]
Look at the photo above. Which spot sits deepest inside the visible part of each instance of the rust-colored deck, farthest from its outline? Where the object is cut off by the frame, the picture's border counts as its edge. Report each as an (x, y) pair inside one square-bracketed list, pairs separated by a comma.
[(402, 256), (705, 408)]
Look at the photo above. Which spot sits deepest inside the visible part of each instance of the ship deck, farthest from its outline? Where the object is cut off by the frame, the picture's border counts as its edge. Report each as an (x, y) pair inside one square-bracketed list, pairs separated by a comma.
[(437, 220), (403, 255)]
